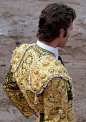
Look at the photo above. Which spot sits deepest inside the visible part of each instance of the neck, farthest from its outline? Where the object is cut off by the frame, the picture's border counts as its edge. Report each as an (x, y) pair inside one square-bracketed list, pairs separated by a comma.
[(54, 43)]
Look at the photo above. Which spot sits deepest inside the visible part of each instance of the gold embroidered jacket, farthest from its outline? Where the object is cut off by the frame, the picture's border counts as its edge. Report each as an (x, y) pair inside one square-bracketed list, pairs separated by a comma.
[(37, 81)]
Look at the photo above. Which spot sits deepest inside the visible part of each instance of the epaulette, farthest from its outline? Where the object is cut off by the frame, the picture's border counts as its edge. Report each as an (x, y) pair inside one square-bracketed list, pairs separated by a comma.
[(18, 54), (44, 69)]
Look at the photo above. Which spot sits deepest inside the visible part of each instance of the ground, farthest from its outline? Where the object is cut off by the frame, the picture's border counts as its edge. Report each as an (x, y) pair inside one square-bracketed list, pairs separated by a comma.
[(19, 24)]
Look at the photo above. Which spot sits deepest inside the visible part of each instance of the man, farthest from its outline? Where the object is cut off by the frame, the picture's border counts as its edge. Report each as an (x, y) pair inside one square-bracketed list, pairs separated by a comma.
[(37, 80)]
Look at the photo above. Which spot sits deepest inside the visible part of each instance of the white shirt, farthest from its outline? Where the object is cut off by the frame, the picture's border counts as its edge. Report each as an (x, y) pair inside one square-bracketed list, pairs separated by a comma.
[(49, 48)]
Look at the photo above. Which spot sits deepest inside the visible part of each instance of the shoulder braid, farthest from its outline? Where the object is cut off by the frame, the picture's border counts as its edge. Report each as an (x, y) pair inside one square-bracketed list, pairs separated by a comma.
[(44, 69), (18, 54)]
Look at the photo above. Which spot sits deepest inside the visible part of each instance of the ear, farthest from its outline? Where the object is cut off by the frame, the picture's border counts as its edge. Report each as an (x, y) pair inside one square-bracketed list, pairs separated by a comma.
[(62, 31)]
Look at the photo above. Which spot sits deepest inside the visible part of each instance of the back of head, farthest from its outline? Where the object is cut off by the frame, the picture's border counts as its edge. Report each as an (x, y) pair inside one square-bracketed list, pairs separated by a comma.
[(54, 17)]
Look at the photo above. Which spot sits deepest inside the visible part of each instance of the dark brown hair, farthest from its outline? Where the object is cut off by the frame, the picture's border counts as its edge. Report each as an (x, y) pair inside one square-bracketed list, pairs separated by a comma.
[(54, 17)]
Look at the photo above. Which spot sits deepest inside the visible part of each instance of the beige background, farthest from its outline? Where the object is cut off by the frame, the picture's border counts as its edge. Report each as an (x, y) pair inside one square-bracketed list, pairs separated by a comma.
[(18, 24)]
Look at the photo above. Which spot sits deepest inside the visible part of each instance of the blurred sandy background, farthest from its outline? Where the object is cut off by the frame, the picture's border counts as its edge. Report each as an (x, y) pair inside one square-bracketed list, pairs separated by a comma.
[(19, 24)]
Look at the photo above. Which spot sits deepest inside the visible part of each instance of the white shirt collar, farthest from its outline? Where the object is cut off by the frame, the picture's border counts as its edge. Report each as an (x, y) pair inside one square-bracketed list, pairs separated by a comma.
[(49, 48)]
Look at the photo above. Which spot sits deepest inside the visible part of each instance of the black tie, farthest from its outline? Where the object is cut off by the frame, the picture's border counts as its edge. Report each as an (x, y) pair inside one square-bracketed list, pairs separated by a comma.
[(59, 58)]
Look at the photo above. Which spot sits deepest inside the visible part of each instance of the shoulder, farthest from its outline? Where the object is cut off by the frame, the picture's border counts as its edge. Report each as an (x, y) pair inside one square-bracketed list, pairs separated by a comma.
[(45, 69), (18, 54)]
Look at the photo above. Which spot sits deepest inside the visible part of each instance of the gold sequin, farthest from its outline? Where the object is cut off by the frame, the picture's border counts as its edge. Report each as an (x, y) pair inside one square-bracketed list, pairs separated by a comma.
[(43, 76), (51, 69), (45, 63)]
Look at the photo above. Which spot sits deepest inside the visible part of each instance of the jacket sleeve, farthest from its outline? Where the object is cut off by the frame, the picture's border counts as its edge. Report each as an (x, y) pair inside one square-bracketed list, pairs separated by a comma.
[(12, 90), (55, 101)]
